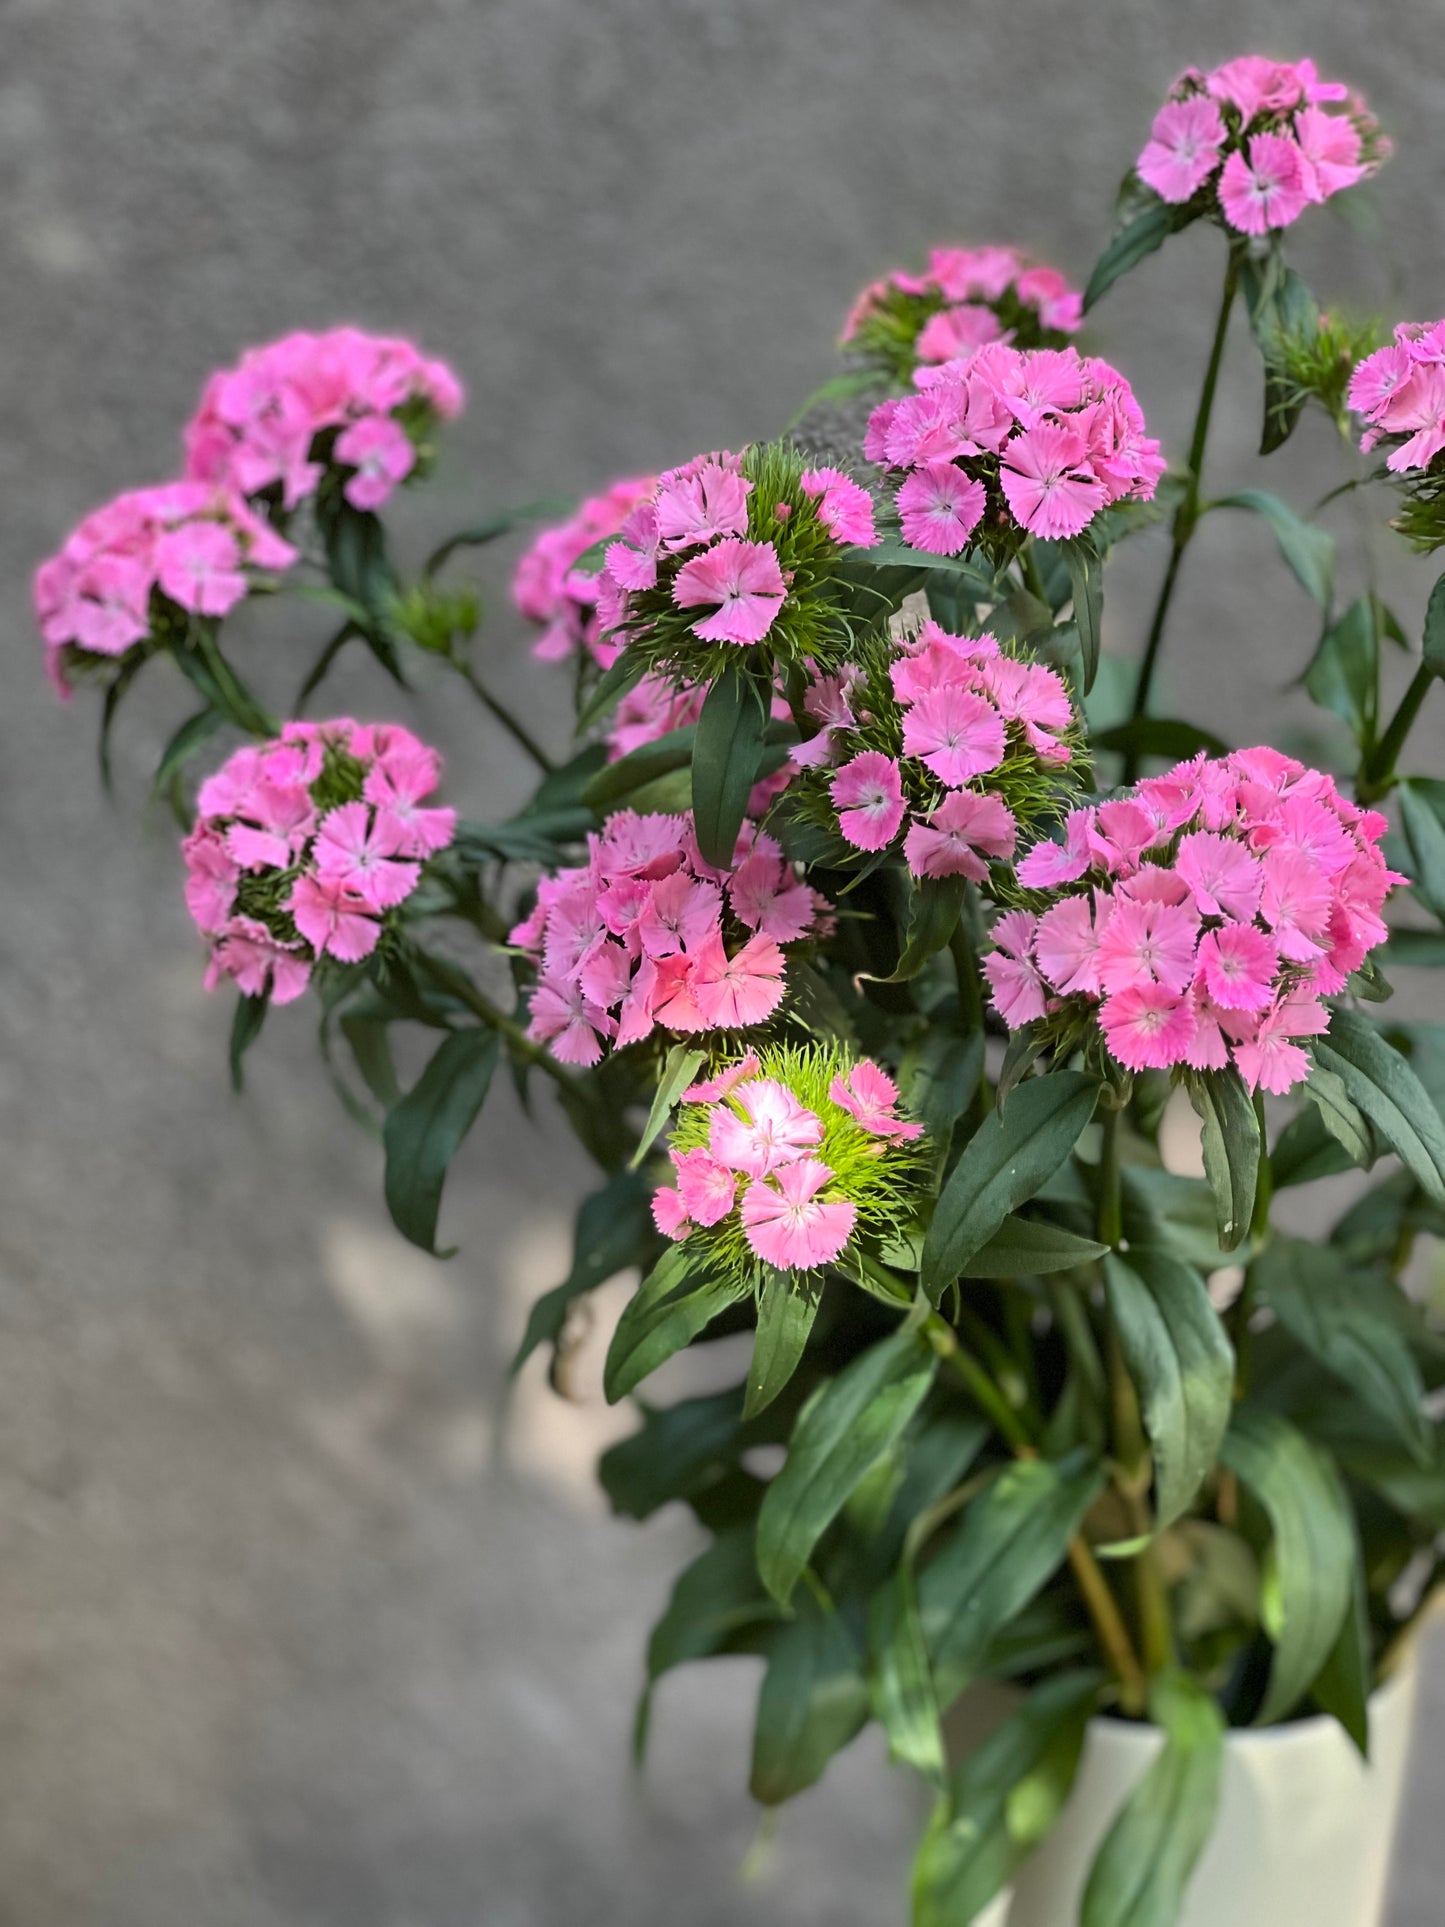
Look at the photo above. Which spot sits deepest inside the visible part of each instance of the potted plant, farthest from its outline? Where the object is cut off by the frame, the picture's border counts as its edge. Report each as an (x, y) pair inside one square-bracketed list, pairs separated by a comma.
[(870, 937)]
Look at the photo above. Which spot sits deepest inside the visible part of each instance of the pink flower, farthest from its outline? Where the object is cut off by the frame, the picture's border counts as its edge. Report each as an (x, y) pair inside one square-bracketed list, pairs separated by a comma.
[(789, 1226), (212, 875), (868, 795), (766, 897), (361, 849), (1034, 696), (710, 501), (198, 566), (274, 821), (1148, 943), (1224, 879), (845, 508), (562, 1017), (940, 507), (333, 918), (1018, 989), (773, 1128), (708, 1188), (869, 1095), (955, 734), (1295, 903), (734, 992), (1049, 864), (381, 452), (1255, 84), (1267, 190), (744, 579), (963, 830), (679, 913), (957, 331), (1329, 147), (247, 953), (1237, 964), (1147, 1027), (1048, 483), (669, 1214), (397, 787), (1183, 149), (1066, 945), (712, 1088), (1270, 1060)]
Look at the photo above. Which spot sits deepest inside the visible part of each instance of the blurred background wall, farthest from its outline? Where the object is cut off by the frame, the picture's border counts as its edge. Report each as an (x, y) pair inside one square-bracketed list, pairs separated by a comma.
[(301, 1624)]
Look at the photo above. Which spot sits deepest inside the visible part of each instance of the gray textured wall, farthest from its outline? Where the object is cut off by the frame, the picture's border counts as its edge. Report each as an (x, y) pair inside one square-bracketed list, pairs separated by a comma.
[(300, 1624)]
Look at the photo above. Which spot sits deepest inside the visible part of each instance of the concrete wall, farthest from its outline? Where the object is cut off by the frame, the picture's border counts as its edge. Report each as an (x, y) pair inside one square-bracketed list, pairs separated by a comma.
[(300, 1623)]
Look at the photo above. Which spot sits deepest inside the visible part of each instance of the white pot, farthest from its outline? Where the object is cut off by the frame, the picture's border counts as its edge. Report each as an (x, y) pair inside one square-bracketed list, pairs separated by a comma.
[(1302, 1839)]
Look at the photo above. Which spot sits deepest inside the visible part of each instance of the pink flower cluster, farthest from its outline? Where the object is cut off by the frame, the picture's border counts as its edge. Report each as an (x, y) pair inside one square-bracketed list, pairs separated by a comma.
[(1201, 918), (1044, 436), (760, 1159), (192, 541), (550, 590), (304, 844), (962, 703), (258, 423), (1400, 392), (979, 290), (639, 936), (1264, 133), (692, 537)]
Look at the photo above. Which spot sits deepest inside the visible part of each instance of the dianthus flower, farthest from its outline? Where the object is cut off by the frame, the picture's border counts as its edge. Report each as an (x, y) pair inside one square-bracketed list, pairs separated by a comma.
[(304, 847), (356, 403), (941, 740), (734, 553), (1257, 141), (966, 298), (786, 1159), (647, 934), (551, 591), (145, 563), (1399, 391), (1008, 441), (1198, 921)]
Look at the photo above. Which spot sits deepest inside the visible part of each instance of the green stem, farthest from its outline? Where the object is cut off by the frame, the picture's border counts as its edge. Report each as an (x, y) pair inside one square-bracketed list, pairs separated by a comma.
[(1378, 775), (455, 980), (1186, 516), (517, 731), (977, 1383), (1029, 564), (1111, 1194)]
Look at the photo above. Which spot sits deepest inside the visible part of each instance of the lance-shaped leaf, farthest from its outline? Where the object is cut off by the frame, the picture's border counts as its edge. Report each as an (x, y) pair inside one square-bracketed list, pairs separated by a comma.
[(1231, 1149), (423, 1133), (1343, 1686), (614, 1229), (1030, 1247), (1140, 237), (1162, 736), (1005, 1797), (814, 1698), (1307, 549), (726, 762), (1343, 1119), (900, 1679), (1182, 1365), (1379, 1082), (840, 1435), (1344, 675), (1141, 1871), (1005, 1163), (246, 1026), (1422, 816), (680, 1067), (717, 1606), (933, 917), (1086, 576), (1434, 642), (1314, 1548), (1347, 1321), (1010, 1541), (786, 1312), (678, 1298)]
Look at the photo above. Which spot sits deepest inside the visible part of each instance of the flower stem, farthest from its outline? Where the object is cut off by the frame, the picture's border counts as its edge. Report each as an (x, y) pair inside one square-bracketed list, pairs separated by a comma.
[(456, 980), (517, 731), (1186, 516), (1378, 774)]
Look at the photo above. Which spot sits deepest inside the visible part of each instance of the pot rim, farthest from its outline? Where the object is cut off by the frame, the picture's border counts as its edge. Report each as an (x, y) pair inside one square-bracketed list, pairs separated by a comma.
[(1284, 1732)]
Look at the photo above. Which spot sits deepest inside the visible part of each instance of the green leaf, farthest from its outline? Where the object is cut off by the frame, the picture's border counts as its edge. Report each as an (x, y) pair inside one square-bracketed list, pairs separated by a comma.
[(904, 1701), (814, 1699), (1010, 1541), (423, 1133), (680, 1067), (500, 524), (677, 1299), (1343, 1687), (1309, 551), (716, 1603), (370, 1042), (1281, 310), (614, 1229), (1414, 949), (725, 766), (617, 780), (1434, 644), (1003, 1165), (1171, 741), (1231, 1149), (245, 1029), (678, 1453), (1380, 1083), (1086, 576), (1344, 675), (628, 669), (1339, 1116), (195, 731), (1005, 1798), (1348, 1322), (1305, 1150), (1030, 1247), (897, 555), (840, 1435), (1141, 237), (1182, 1365), (1314, 1547), (1142, 1869), (785, 1318), (1422, 816), (937, 904), (937, 1079)]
